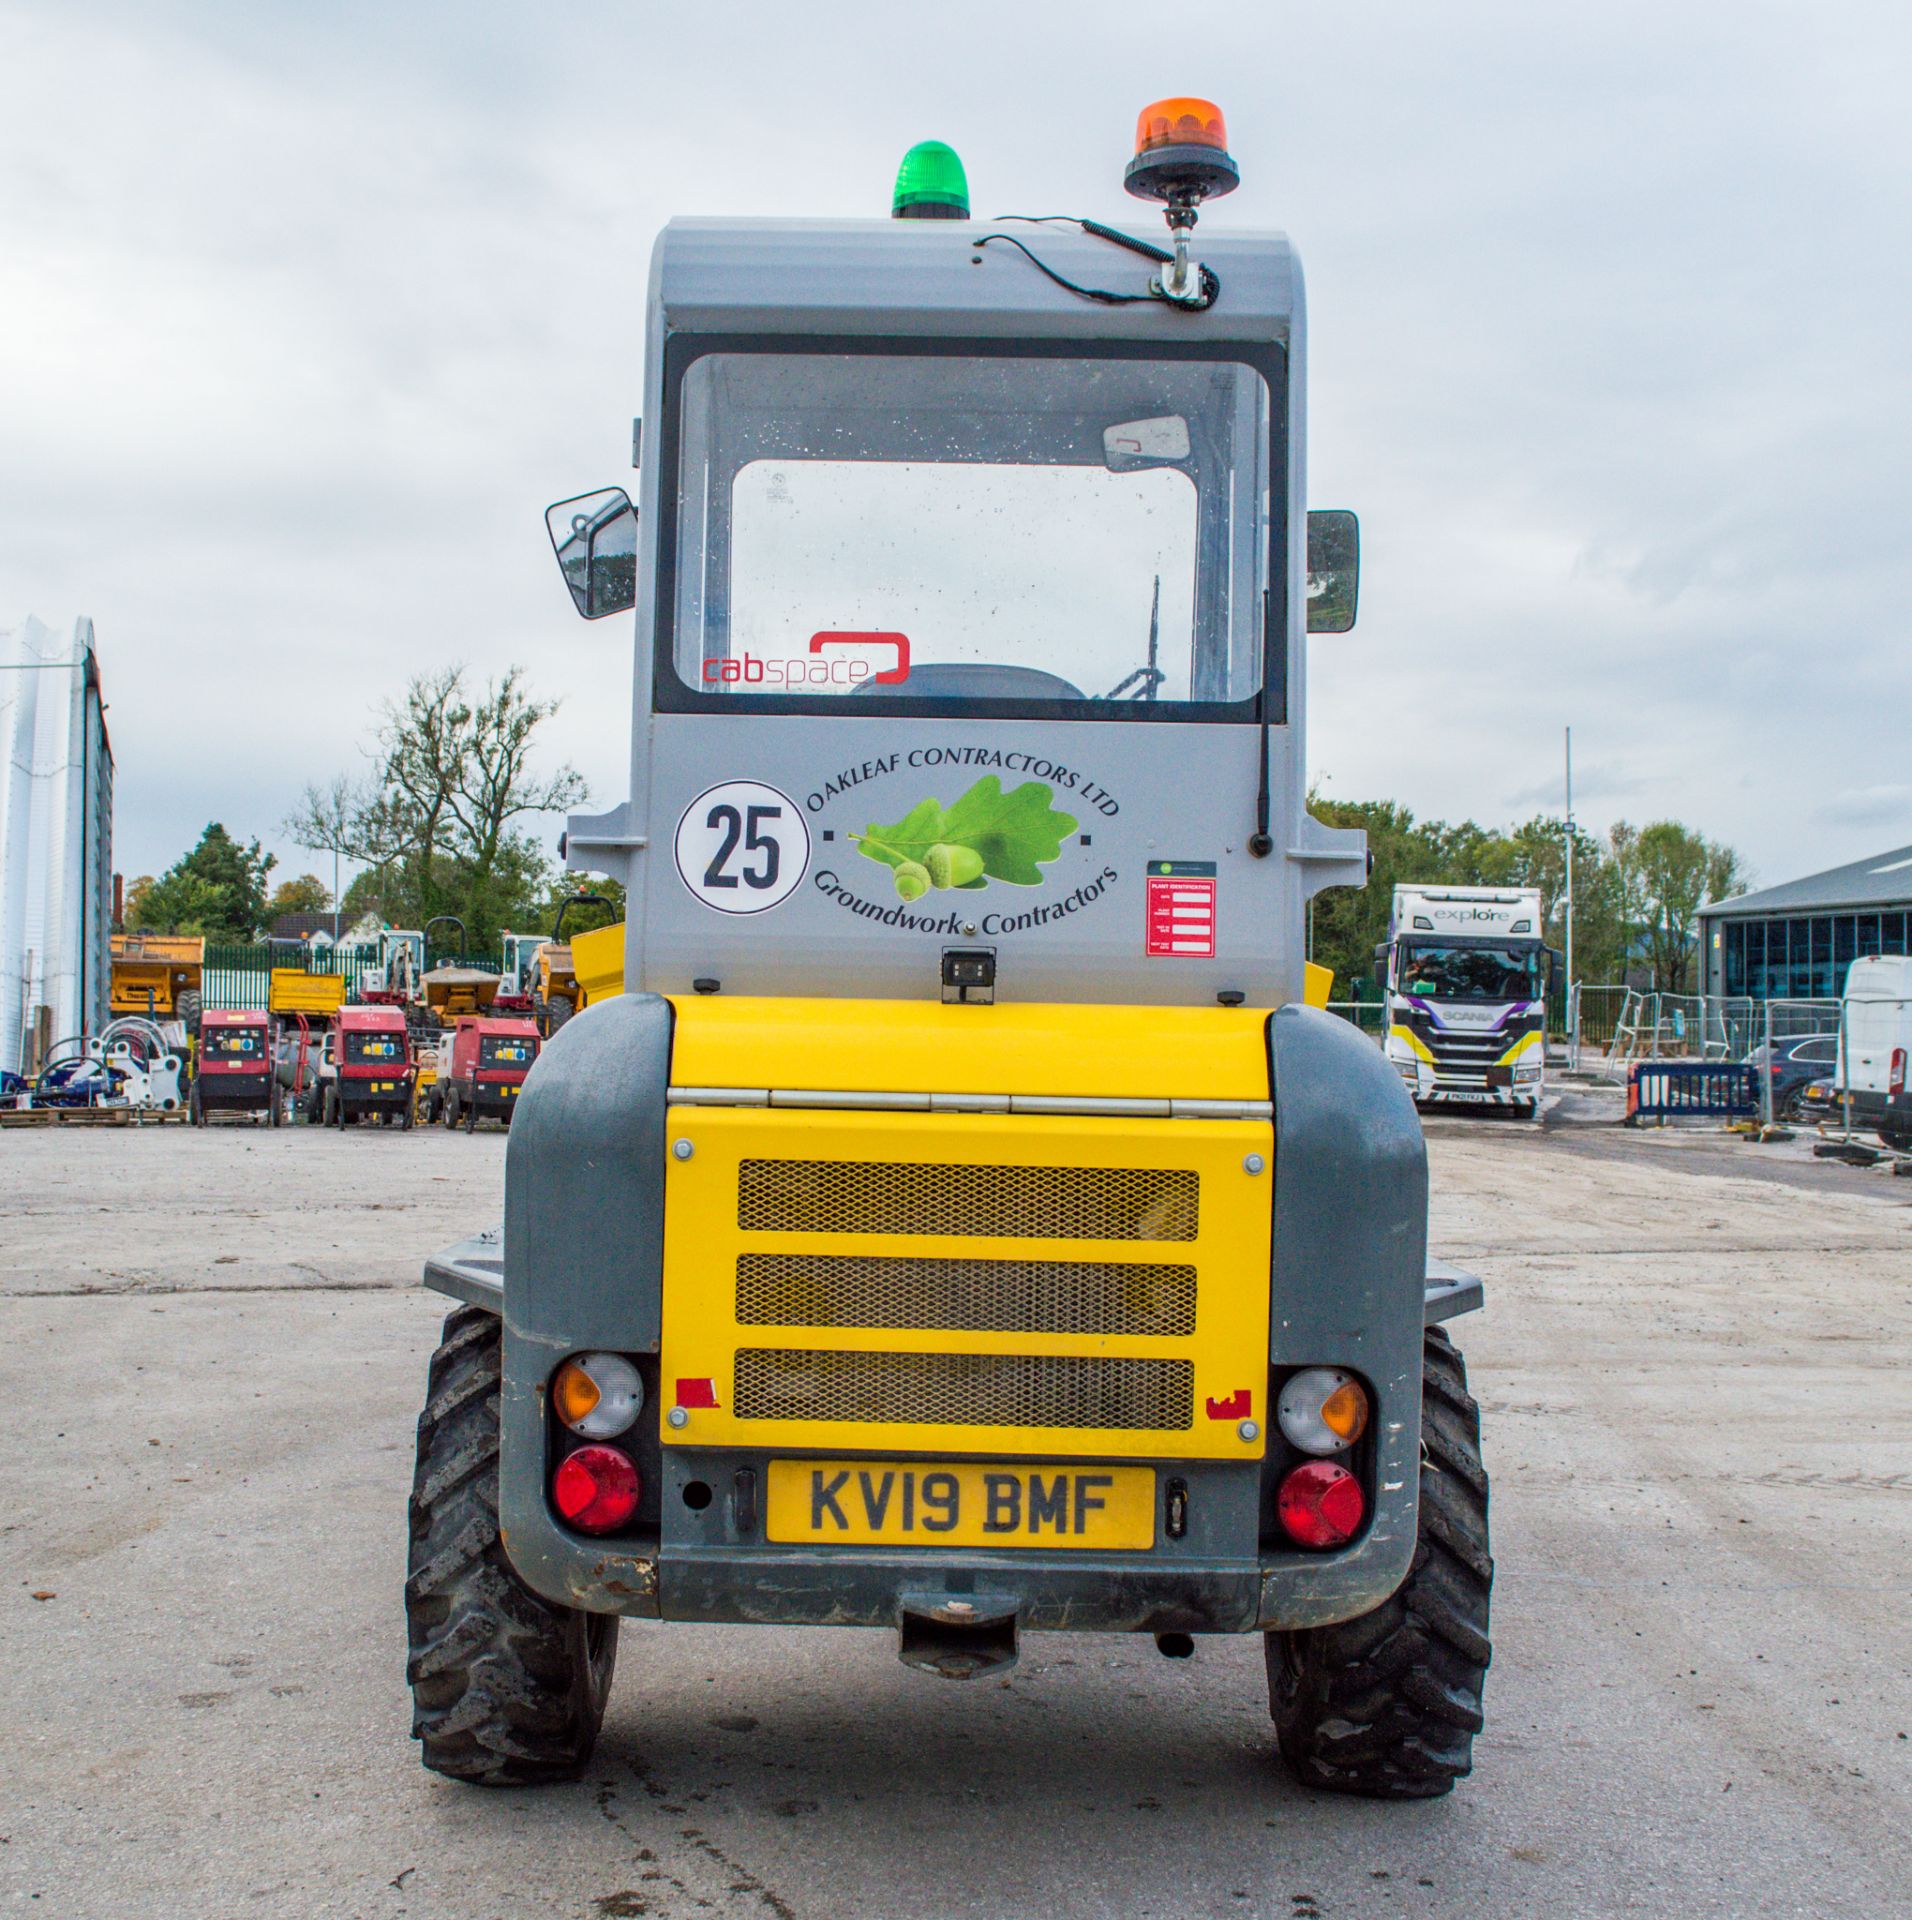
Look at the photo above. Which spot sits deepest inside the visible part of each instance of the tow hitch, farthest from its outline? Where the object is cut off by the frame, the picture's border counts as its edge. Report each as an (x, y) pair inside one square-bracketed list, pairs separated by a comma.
[(958, 1637)]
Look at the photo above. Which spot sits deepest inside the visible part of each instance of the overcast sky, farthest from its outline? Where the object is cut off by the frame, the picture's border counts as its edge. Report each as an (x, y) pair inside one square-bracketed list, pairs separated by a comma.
[(306, 311)]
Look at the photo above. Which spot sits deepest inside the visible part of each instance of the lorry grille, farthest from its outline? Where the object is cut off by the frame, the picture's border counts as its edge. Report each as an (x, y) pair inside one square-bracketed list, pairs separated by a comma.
[(1005, 1202), (965, 1389), (989, 1296)]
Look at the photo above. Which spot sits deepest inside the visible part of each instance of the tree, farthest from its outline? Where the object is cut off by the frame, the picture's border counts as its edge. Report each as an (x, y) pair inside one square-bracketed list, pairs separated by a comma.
[(580, 919), (1679, 871), (307, 894), (218, 890), (325, 821), (1623, 887), (438, 824)]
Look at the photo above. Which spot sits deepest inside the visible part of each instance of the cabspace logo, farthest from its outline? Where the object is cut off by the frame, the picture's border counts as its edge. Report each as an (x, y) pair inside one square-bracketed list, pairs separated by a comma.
[(842, 660)]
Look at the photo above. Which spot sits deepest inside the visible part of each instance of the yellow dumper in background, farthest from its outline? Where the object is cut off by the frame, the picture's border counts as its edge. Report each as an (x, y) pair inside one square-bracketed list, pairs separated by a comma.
[(316, 995), (159, 975), (597, 964)]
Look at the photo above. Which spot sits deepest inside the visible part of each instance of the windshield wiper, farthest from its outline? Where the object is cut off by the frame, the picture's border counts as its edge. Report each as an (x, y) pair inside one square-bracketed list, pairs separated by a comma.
[(1151, 676)]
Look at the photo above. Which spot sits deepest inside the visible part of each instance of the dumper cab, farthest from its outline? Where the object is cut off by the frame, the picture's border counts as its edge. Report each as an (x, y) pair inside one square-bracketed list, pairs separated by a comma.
[(234, 1069), (960, 1225)]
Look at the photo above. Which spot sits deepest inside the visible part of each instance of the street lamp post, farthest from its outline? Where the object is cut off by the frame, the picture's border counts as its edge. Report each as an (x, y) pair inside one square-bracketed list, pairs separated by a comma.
[(1573, 1010)]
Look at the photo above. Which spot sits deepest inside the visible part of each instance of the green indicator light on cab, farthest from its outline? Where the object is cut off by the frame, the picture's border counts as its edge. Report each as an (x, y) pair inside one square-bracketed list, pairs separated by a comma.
[(930, 184)]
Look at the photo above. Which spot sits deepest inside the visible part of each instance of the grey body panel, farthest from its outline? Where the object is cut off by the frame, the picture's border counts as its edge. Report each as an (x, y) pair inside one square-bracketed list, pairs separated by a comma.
[(1175, 785), (584, 1249), (1079, 936), (1451, 1291), (472, 1271), (1208, 1581), (1350, 1259)]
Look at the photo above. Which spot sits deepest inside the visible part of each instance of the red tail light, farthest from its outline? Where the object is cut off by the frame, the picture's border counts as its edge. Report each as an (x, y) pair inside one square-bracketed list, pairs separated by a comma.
[(595, 1489), (1896, 1085), (1321, 1505)]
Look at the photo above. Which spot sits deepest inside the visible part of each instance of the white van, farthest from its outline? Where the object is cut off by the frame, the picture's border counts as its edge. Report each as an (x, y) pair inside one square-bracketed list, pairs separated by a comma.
[(1878, 1039)]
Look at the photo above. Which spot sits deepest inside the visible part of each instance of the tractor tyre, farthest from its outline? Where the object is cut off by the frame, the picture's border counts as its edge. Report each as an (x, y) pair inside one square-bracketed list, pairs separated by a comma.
[(1388, 1705), (186, 1010), (557, 1012), (508, 1688)]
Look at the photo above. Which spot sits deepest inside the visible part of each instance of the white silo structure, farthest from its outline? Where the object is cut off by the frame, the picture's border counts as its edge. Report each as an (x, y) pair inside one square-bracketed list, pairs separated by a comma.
[(56, 838)]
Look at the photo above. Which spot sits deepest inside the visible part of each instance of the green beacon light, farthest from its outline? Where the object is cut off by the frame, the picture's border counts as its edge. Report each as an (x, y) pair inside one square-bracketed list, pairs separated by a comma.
[(930, 184)]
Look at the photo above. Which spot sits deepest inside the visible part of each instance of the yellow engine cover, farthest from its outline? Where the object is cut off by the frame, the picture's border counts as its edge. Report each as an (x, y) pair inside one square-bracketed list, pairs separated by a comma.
[(1021, 1284)]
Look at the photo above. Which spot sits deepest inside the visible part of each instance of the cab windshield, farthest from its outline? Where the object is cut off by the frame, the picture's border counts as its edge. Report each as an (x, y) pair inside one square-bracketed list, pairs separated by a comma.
[(1089, 534), (1471, 973)]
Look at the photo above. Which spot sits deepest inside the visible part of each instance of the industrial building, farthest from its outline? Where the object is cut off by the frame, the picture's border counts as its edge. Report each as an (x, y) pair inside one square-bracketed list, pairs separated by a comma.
[(56, 840), (1795, 942)]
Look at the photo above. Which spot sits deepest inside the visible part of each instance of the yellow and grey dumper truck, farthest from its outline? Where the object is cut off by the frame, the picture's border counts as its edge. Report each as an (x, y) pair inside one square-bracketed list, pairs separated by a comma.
[(960, 1225)]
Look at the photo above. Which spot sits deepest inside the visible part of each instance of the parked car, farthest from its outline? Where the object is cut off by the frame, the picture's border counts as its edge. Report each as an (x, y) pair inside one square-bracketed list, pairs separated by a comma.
[(1796, 1062)]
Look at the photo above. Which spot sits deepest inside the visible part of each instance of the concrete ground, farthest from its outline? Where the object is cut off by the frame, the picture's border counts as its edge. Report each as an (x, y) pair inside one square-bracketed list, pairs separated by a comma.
[(1697, 1383)]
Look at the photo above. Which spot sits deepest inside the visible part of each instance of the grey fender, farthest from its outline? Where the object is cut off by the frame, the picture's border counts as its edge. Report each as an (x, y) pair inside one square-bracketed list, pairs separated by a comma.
[(584, 1267), (1349, 1285)]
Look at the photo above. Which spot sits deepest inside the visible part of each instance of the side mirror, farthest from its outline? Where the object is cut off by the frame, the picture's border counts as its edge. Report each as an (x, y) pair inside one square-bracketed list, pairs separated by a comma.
[(1334, 570), (595, 539), (1381, 963)]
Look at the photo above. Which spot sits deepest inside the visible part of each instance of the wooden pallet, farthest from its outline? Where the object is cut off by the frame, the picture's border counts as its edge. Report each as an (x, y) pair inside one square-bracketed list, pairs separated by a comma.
[(87, 1117)]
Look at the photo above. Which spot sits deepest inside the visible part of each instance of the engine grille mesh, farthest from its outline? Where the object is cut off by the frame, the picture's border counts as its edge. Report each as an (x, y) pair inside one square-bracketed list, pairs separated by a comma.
[(987, 1296), (1017, 1202), (965, 1389)]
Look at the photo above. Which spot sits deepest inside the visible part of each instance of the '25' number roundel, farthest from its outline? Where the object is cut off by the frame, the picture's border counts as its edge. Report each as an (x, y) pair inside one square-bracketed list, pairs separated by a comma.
[(742, 847)]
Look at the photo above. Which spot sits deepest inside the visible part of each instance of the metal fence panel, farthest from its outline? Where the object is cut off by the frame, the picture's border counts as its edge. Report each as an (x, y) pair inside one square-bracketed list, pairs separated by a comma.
[(1681, 1089)]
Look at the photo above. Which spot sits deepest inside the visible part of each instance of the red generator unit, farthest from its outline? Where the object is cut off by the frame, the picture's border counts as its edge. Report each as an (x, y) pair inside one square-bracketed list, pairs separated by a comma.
[(489, 1060), (235, 1067), (367, 1070)]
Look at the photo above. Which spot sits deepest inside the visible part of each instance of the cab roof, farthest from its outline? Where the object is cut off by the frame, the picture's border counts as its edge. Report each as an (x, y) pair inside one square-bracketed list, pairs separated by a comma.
[(371, 1019), (922, 277)]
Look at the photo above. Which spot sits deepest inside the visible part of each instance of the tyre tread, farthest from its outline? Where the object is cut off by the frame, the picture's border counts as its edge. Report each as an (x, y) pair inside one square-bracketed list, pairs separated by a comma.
[(1388, 1705), (508, 1688)]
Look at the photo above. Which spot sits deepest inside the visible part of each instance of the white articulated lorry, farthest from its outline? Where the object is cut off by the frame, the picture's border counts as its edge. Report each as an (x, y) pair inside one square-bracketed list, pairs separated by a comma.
[(1465, 970)]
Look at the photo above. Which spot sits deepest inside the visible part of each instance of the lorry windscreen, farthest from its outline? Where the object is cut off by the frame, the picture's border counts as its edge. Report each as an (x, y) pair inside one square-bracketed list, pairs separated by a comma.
[(1471, 973), (984, 528)]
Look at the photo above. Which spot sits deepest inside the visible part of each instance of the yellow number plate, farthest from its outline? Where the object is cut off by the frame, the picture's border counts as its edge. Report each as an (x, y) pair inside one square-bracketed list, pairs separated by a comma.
[(858, 1503)]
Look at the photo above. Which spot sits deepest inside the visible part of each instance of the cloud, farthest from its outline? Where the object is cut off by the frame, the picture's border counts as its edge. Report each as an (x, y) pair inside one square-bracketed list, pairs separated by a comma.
[(1888, 806), (305, 313)]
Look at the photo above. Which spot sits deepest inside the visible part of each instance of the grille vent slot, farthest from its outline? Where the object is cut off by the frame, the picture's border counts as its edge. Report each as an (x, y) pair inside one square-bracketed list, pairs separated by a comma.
[(960, 1296), (965, 1389), (1018, 1202)]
